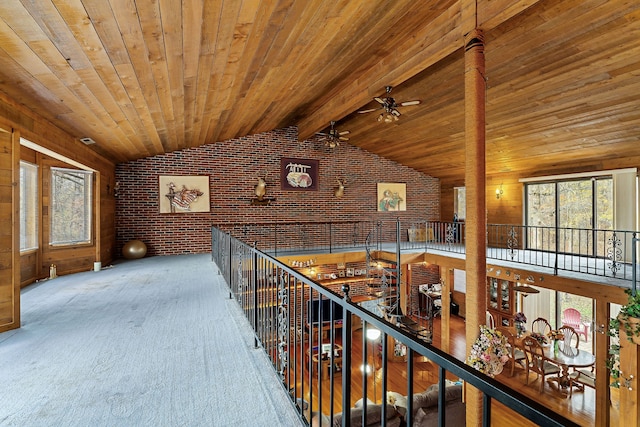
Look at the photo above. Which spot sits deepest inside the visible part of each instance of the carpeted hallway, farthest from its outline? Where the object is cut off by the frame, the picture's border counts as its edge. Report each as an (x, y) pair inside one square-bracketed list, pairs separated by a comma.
[(150, 342)]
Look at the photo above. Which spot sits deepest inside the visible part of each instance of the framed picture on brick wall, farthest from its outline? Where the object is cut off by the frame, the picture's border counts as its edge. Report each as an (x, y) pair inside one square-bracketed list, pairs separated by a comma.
[(299, 174), (184, 193), (392, 196)]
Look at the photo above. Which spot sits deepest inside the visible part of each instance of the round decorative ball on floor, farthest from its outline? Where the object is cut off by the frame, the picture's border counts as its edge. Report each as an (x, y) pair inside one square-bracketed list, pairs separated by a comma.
[(134, 249)]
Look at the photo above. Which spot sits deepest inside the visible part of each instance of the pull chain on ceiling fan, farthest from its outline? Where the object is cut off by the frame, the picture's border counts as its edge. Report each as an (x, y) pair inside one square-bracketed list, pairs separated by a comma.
[(332, 137), (390, 107)]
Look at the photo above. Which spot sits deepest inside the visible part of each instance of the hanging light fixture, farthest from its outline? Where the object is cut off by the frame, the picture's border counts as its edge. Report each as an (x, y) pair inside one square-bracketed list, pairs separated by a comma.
[(526, 289)]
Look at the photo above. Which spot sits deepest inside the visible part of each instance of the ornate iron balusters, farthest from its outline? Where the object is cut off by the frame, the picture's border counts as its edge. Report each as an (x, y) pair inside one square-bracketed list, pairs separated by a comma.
[(512, 242), (283, 323), (614, 253)]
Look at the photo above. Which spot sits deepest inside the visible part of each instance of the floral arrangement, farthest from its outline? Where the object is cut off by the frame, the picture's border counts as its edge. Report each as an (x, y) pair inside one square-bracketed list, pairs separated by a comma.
[(490, 352), (539, 337), (556, 335), (519, 320)]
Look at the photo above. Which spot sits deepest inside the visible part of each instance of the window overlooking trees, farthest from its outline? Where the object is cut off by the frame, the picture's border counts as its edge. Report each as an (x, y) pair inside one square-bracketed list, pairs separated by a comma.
[(28, 206), (70, 210), (460, 203), (582, 205)]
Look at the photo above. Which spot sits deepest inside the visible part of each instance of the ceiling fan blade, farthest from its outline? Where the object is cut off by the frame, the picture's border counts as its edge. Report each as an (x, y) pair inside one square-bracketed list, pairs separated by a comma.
[(380, 100), (404, 104), (344, 132), (343, 138), (395, 112), (367, 111)]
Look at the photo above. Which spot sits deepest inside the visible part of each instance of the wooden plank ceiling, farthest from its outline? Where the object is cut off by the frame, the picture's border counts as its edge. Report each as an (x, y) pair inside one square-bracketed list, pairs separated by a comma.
[(147, 77)]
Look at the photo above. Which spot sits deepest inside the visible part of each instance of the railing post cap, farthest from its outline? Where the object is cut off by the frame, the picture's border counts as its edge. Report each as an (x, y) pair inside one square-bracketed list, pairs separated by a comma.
[(345, 289)]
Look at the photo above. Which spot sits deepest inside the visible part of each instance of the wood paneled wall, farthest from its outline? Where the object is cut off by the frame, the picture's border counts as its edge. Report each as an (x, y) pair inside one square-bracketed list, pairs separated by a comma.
[(29, 125)]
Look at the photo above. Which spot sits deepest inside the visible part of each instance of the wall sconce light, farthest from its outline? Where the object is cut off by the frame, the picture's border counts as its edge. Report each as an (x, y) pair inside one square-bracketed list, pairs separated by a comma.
[(116, 189), (499, 192), (339, 190)]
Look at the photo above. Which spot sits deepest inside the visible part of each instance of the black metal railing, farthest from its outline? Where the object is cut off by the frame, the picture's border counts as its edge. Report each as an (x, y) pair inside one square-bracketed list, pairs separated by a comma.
[(289, 316), (301, 237), (605, 253)]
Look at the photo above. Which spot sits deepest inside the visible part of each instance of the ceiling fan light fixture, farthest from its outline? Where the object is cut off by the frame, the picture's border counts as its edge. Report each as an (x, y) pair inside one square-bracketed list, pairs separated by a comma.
[(332, 137), (389, 106), (389, 118)]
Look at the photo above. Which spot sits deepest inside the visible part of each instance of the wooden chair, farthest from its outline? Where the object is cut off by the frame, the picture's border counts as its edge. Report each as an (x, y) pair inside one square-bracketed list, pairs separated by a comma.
[(537, 362), (573, 318), (570, 335), (541, 325), (490, 321), (572, 339), (516, 355), (581, 378)]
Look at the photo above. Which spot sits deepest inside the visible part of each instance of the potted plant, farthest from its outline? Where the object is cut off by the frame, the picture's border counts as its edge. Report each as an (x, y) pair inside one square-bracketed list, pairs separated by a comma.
[(628, 320)]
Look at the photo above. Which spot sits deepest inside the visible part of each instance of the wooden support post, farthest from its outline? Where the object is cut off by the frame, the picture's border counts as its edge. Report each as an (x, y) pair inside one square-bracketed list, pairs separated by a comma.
[(600, 347), (476, 263), (10, 236), (629, 391), (445, 313)]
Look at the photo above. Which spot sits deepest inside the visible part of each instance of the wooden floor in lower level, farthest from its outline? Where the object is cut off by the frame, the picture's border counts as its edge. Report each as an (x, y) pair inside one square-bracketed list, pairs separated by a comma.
[(580, 407)]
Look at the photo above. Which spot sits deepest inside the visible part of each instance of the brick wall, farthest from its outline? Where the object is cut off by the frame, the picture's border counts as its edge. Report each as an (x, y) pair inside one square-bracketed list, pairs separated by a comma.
[(235, 165)]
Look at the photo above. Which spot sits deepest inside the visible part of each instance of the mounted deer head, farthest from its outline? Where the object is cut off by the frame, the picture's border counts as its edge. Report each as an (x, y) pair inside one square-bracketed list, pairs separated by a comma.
[(339, 191), (261, 189)]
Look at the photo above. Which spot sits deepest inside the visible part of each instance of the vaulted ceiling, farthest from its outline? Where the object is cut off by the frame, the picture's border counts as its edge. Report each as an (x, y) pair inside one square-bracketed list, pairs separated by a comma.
[(148, 77)]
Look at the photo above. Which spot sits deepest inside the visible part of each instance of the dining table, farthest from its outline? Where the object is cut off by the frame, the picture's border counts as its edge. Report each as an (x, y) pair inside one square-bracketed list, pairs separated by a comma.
[(564, 356), (567, 358)]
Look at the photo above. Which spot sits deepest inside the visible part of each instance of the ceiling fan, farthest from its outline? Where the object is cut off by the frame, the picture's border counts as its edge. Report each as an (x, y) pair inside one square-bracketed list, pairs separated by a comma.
[(333, 137), (390, 107)]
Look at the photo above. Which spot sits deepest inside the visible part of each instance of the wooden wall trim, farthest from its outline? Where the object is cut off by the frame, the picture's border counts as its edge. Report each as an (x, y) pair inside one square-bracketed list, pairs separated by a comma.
[(10, 236)]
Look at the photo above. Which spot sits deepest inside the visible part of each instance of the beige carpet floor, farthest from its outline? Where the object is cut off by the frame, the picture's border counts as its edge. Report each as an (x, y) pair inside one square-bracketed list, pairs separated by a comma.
[(150, 342)]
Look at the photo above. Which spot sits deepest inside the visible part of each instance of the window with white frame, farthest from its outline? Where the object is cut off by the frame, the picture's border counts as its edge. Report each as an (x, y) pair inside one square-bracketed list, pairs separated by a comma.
[(28, 206), (70, 207)]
